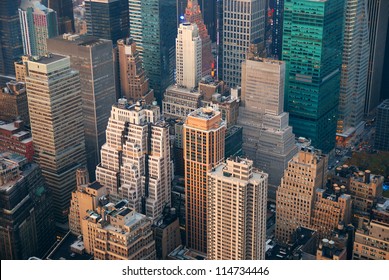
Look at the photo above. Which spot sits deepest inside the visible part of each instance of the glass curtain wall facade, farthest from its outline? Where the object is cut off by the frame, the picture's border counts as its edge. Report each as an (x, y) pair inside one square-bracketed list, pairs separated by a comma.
[(312, 48)]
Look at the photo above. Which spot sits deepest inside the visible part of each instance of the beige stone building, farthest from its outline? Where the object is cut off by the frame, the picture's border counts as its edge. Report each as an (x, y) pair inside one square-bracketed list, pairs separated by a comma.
[(13, 102), (236, 211), (203, 140), (119, 233), (55, 107), (87, 197), (134, 83), (306, 173), (136, 160), (332, 206), (372, 241)]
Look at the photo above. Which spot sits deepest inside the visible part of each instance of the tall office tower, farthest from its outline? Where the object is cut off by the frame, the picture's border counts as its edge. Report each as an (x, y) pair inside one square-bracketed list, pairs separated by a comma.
[(134, 83), (64, 9), (243, 24), (355, 61), (13, 102), (54, 103), (267, 138), (332, 207), (209, 11), (107, 19), (378, 11), (278, 23), (135, 19), (118, 233), (11, 47), (236, 211), (219, 38), (306, 173), (381, 141), (203, 133), (159, 54), (312, 49), (372, 241), (27, 226), (193, 15), (38, 23), (188, 56), (136, 163), (87, 197), (93, 59)]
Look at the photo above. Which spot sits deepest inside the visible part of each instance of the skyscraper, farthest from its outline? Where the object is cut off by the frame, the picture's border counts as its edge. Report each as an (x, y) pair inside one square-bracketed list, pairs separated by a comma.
[(64, 9), (278, 22), (312, 49), (267, 138), (11, 47), (54, 102), (27, 226), (209, 11), (188, 56), (136, 163), (159, 31), (378, 11), (243, 23), (306, 173), (193, 15), (236, 211), (93, 58), (203, 134), (381, 141), (135, 19), (355, 61), (107, 19), (134, 83), (38, 23)]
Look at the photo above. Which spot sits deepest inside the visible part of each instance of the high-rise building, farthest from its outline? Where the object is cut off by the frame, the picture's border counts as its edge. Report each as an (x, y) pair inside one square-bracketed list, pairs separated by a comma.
[(306, 173), (372, 241), (87, 197), (209, 11), (332, 207), (236, 211), (312, 50), (355, 61), (267, 138), (193, 15), (159, 54), (64, 9), (11, 47), (107, 19), (54, 102), (203, 141), (188, 56), (381, 141), (38, 23), (135, 19), (277, 28), (243, 23), (27, 225), (118, 233), (13, 102), (378, 11), (134, 83), (93, 59), (136, 161)]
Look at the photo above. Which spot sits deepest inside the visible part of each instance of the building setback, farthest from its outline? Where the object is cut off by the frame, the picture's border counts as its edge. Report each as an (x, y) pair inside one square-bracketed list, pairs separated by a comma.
[(267, 138), (236, 211), (55, 106), (136, 159), (306, 173)]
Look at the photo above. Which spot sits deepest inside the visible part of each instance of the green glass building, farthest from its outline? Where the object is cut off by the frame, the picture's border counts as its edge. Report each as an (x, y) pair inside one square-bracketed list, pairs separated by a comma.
[(312, 49)]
